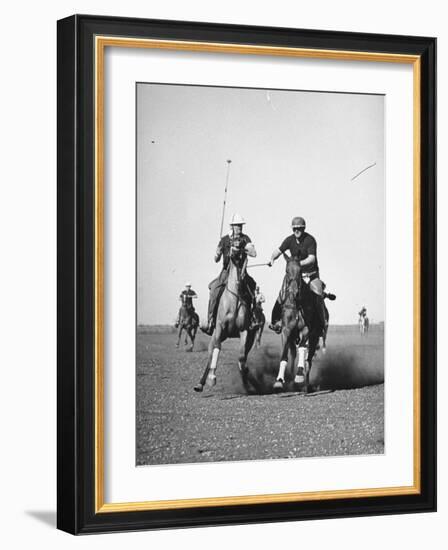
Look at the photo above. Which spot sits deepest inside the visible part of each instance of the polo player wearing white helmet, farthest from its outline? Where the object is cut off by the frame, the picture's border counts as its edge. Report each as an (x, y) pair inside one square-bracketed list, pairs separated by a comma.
[(234, 241), (186, 297), (302, 246)]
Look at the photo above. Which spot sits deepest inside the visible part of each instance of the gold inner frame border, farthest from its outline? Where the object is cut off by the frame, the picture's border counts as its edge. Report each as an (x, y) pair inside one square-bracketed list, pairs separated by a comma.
[(101, 42)]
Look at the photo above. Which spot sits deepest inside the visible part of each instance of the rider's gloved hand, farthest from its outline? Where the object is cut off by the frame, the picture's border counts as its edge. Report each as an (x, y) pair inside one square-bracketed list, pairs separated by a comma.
[(270, 263)]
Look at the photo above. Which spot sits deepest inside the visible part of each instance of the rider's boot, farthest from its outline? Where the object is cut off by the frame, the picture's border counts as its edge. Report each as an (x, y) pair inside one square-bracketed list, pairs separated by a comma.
[(253, 318), (207, 328), (276, 323)]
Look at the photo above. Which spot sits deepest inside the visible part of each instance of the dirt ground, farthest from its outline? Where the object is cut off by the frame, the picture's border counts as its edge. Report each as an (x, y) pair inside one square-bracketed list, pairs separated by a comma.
[(176, 425)]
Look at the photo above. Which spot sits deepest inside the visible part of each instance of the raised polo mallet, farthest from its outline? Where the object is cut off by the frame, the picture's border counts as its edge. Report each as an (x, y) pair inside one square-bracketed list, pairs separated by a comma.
[(225, 197)]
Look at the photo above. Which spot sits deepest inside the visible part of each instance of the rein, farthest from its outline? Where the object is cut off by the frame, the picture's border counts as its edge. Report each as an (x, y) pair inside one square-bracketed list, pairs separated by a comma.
[(239, 278)]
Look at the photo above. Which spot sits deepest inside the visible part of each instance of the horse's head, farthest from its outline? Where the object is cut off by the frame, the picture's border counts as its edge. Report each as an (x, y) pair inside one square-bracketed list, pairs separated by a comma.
[(293, 279), (238, 258)]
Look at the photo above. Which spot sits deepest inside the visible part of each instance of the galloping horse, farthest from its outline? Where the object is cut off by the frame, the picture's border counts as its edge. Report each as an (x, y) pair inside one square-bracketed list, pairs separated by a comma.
[(232, 321), (188, 321), (301, 327), (363, 325)]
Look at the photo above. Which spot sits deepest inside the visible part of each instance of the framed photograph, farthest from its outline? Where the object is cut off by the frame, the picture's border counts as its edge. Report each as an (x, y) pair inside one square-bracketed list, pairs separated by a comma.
[(246, 274)]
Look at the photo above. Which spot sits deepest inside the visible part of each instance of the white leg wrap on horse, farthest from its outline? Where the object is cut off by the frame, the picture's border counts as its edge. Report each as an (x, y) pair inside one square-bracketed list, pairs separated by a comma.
[(301, 361), (281, 371), (215, 355), (211, 375)]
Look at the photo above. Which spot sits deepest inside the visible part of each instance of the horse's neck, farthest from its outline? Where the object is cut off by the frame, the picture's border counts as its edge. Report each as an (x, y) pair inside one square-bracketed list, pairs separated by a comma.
[(291, 294), (233, 281)]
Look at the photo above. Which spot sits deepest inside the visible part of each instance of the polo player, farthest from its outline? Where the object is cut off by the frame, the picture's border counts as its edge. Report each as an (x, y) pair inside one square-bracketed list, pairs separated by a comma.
[(302, 246), (235, 242), (186, 297)]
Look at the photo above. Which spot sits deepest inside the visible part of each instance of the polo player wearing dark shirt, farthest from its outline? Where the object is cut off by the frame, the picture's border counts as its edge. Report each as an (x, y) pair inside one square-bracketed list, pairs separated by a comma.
[(186, 297), (235, 241), (302, 246)]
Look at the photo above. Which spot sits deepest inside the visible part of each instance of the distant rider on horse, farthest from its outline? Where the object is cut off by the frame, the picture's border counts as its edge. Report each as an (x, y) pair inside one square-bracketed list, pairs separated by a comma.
[(235, 242), (363, 312), (302, 246), (186, 297)]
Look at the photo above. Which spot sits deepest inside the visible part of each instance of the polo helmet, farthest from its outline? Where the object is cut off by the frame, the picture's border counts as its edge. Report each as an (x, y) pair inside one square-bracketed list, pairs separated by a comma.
[(237, 219), (297, 221)]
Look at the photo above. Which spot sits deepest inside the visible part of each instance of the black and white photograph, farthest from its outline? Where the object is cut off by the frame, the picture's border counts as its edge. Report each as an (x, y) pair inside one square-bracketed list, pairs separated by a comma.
[(260, 230)]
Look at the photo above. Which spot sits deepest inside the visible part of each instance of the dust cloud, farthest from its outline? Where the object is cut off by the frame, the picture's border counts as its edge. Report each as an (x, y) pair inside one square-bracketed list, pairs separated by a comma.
[(357, 363)]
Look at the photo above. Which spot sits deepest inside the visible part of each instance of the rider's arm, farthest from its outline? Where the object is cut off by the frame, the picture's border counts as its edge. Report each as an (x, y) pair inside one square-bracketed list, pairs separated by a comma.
[(280, 250), (218, 252), (275, 254), (310, 259), (311, 250)]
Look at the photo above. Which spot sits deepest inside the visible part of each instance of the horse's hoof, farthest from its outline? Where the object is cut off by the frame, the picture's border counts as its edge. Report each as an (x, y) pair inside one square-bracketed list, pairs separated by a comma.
[(199, 387), (324, 350), (211, 380), (279, 385)]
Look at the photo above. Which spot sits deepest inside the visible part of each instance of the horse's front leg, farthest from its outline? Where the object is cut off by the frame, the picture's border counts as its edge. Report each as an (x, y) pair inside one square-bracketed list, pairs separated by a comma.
[(300, 377), (247, 339), (192, 337), (214, 347), (259, 333), (312, 344), (214, 350), (279, 383), (188, 332)]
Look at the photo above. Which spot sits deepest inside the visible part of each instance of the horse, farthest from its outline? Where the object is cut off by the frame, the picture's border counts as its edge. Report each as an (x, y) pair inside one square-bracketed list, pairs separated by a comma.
[(301, 327), (188, 321), (363, 325), (233, 320)]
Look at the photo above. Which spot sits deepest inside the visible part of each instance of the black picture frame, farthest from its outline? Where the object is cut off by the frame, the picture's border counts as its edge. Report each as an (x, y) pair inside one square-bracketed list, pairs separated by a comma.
[(76, 512)]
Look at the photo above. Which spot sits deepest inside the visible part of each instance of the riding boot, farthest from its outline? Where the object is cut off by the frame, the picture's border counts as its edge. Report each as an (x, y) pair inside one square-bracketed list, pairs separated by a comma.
[(212, 303), (210, 326), (276, 324), (253, 318)]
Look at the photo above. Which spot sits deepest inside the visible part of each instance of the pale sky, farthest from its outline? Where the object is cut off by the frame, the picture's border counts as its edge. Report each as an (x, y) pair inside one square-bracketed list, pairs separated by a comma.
[(293, 154)]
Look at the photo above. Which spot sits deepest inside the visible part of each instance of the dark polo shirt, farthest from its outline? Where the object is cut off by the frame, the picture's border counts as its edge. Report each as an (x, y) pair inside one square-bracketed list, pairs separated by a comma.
[(225, 244), (187, 297), (301, 248)]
